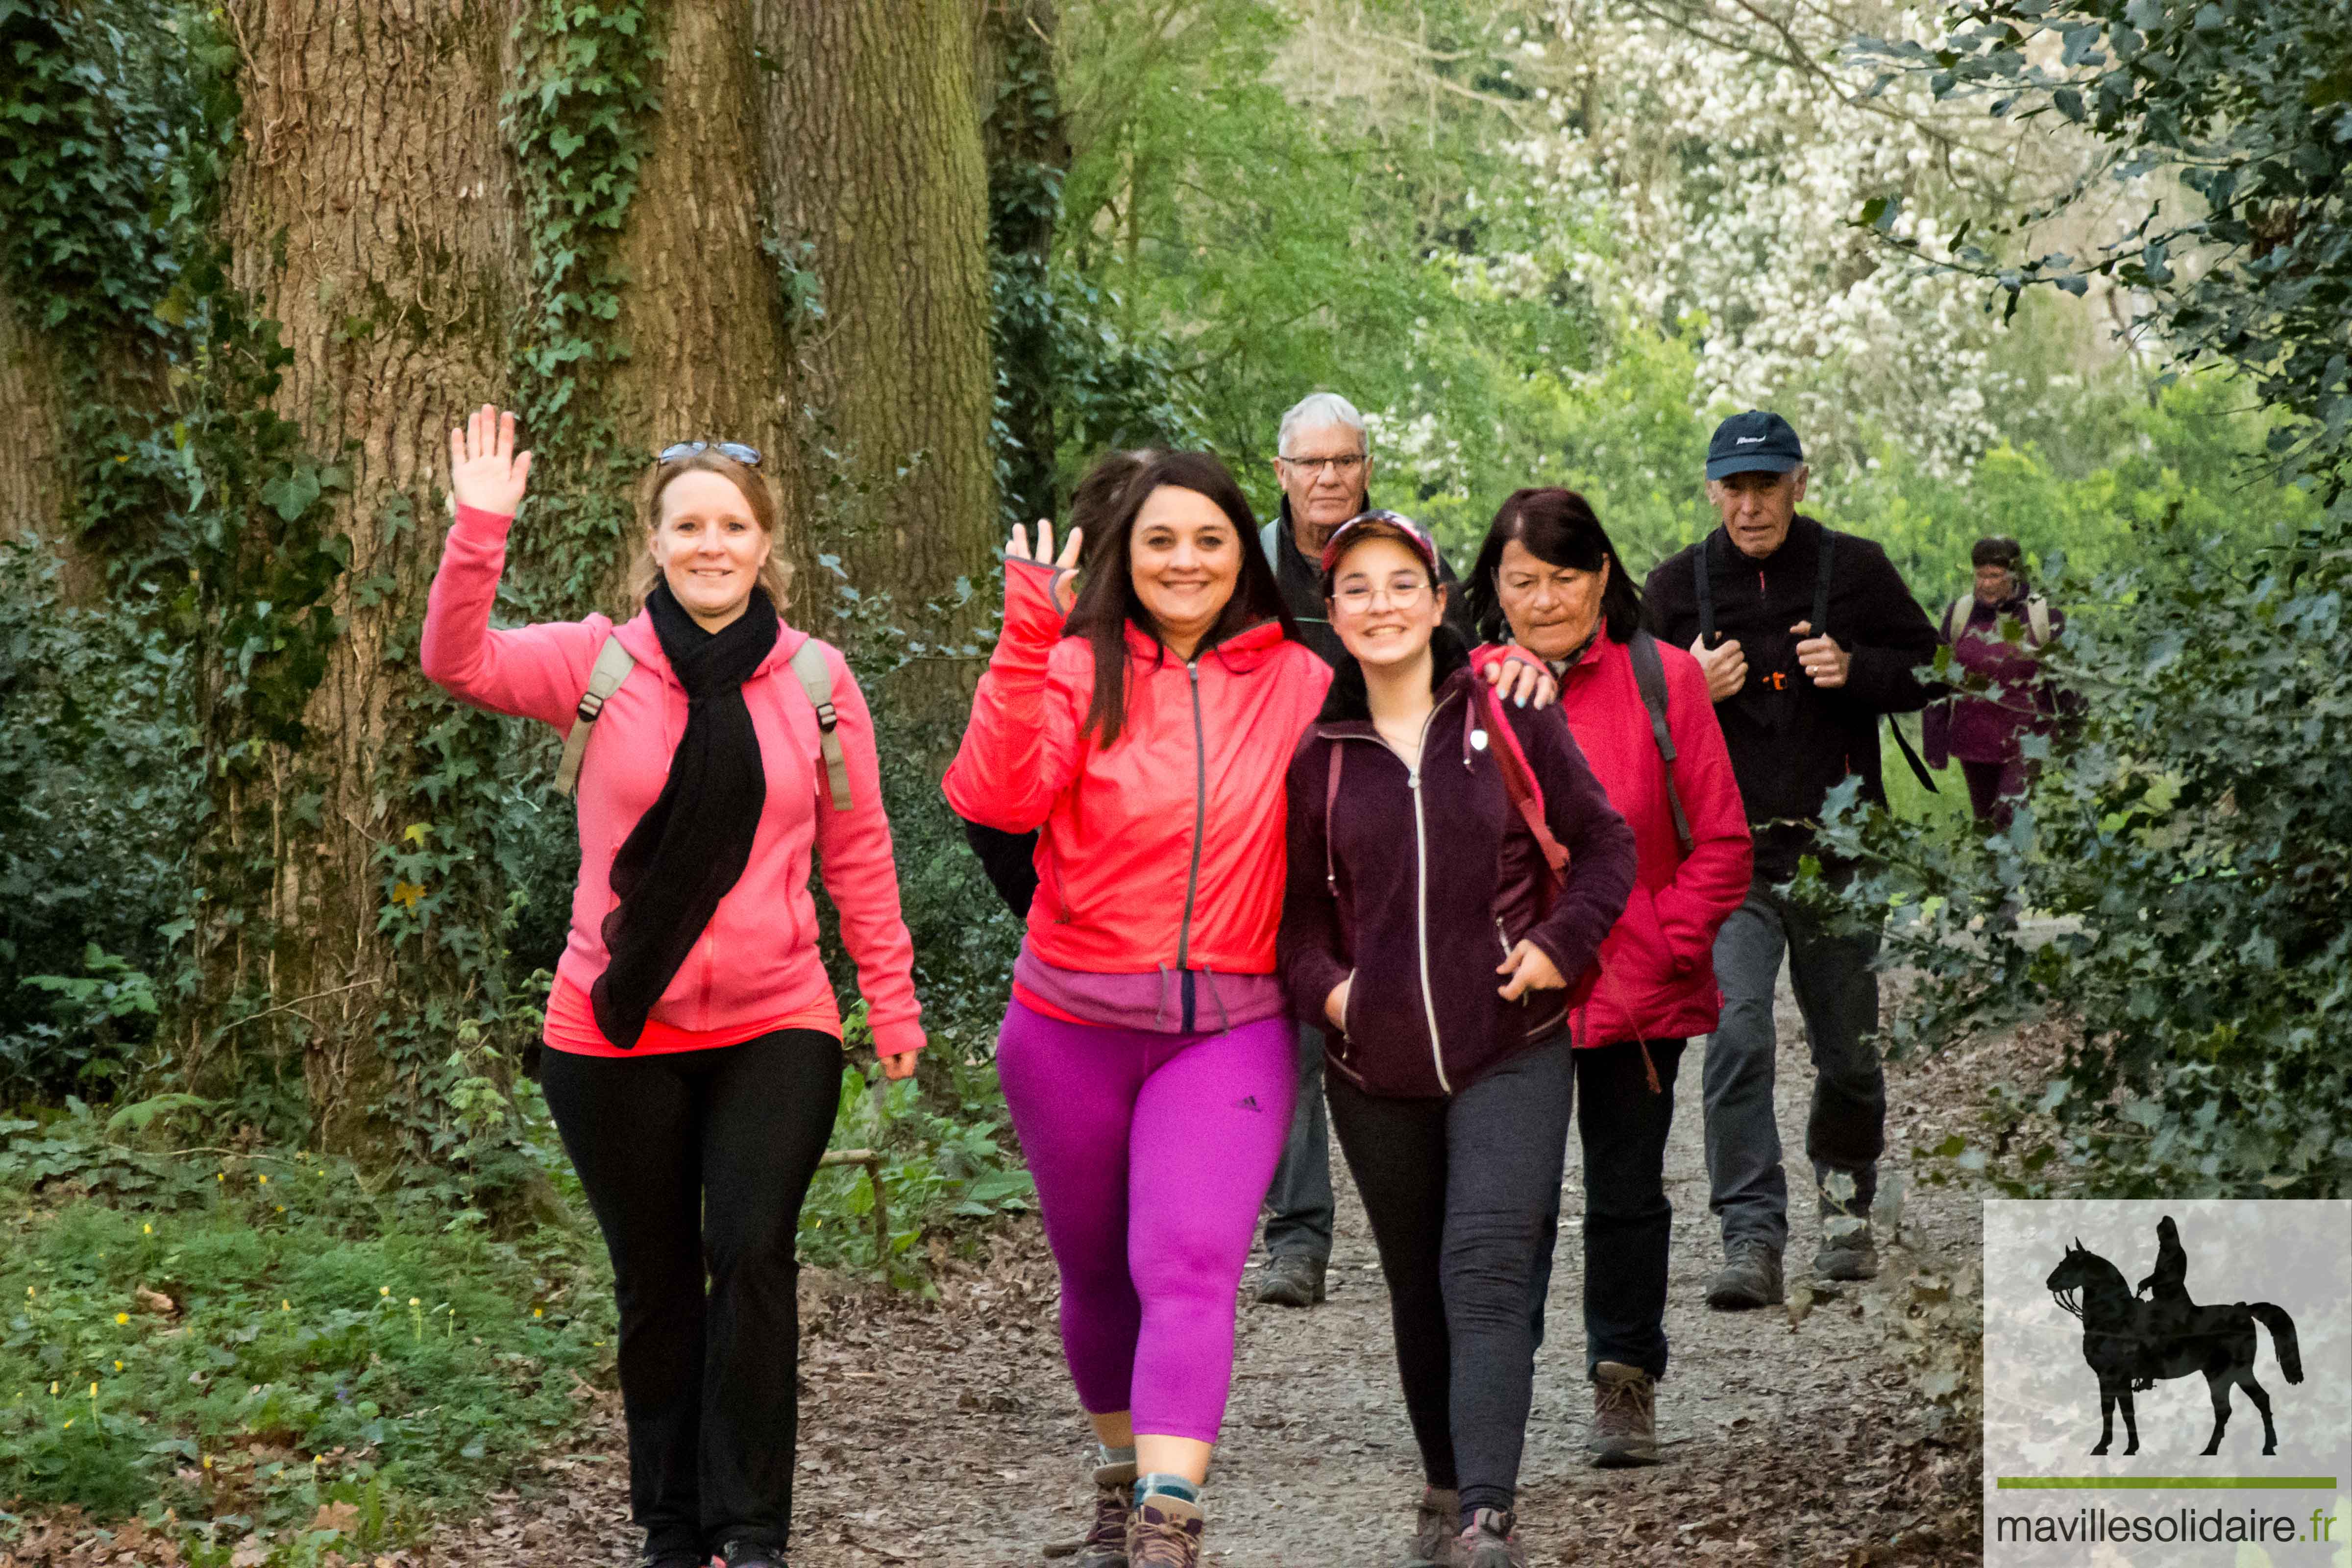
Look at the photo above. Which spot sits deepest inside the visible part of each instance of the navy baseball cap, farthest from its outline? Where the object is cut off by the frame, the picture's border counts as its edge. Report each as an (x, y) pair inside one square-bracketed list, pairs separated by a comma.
[(1756, 442)]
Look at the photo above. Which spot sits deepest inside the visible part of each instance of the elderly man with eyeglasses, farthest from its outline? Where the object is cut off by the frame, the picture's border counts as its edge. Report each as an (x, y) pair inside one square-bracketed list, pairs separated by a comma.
[(1323, 463)]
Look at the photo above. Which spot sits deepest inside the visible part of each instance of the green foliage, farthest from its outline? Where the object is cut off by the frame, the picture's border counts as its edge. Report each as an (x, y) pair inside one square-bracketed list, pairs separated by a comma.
[(941, 1168), (2248, 104), (2187, 856), (269, 1337), (580, 119), (98, 792)]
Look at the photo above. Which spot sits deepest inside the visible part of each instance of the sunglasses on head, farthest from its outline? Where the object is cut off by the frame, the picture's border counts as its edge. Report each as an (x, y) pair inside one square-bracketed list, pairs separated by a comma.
[(747, 455)]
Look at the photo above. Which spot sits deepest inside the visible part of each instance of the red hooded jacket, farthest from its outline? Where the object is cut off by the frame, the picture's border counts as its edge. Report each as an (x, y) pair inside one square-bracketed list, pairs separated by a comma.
[(1164, 850), (1657, 967)]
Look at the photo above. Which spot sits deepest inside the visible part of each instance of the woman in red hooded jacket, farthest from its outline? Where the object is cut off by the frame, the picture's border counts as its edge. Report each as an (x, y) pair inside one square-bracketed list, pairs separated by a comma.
[(1550, 580)]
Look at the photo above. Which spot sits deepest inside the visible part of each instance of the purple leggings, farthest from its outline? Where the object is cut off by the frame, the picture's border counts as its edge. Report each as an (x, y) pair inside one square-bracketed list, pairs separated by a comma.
[(1151, 1152)]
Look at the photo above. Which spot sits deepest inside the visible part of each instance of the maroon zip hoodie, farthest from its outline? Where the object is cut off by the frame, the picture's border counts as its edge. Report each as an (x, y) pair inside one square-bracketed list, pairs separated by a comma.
[(1436, 878)]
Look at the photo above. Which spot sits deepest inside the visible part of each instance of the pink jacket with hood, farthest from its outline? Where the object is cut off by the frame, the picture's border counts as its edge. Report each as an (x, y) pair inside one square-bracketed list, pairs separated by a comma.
[(758, 957)]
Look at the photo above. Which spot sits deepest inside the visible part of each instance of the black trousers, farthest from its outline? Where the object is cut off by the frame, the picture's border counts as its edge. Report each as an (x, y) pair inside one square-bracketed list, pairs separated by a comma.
[(1457, 1192), (694, 1159), (1628, 1220)]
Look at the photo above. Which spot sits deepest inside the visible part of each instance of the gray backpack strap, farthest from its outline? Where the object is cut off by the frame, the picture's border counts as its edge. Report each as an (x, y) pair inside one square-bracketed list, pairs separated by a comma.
[(1650, 676), (816, 680), (1270, 541), (613, 666), (2037, 618), (1956, 616)]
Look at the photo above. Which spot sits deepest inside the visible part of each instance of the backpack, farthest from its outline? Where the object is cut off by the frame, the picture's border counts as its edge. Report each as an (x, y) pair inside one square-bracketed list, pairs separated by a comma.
[(2037, 618), (614, 663), (1820, 629)]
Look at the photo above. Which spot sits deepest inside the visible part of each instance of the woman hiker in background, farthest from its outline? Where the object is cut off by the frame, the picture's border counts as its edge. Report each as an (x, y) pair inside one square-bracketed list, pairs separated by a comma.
[(1549, 580), (1145, 723), (2004, 696), (694, 1060), (1435, 920)]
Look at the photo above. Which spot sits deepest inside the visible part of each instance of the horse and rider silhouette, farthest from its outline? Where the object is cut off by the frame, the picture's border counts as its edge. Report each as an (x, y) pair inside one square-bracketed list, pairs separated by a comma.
[(2131, 1343)]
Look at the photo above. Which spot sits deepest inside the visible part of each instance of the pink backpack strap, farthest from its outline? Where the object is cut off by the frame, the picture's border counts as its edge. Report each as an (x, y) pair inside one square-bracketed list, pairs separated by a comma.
[(1518, 779)]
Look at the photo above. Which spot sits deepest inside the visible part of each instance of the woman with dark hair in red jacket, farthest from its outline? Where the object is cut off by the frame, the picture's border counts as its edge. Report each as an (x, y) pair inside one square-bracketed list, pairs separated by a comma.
[(1549, 580), (1143, 724), (1454, 866)]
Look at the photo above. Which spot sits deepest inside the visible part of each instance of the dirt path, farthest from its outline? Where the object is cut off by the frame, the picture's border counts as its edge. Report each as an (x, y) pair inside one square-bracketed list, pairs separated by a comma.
[(948, 1433)]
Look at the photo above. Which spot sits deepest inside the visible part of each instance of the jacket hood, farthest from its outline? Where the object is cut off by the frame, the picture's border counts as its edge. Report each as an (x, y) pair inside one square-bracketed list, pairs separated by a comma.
[(1243, 651), (1347, 702), (637, 635)]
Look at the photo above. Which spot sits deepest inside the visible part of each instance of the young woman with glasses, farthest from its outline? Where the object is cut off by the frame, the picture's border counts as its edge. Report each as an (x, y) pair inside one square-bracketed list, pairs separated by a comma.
[(694, 1046), (1453, 867)]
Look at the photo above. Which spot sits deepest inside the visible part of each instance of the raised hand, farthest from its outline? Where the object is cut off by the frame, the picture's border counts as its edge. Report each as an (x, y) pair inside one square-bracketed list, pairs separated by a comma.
[(1066, 565), (485, 470)]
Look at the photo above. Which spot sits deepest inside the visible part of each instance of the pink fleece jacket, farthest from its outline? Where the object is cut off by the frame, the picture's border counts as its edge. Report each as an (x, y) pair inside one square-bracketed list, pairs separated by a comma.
[(758, 958)]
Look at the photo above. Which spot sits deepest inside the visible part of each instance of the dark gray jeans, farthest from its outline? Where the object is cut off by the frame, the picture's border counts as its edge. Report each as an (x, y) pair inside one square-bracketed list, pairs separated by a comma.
[(1837, 991), (1298, 1205)]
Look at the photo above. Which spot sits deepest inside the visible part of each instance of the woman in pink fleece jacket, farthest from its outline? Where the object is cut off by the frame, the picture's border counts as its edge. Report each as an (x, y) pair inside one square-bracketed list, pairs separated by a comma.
[(694, 1055)]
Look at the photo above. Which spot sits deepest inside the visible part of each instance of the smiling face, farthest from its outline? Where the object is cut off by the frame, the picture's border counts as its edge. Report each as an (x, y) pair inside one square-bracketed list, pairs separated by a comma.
[(1553, 610), (1757, 509), (1184, 558), (1382, 603), (1994, 584), (709, 547)]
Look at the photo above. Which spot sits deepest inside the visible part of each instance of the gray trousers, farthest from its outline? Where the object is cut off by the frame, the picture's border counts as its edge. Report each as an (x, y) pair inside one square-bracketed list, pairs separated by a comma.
[(1837, 991), (1298, 1204)]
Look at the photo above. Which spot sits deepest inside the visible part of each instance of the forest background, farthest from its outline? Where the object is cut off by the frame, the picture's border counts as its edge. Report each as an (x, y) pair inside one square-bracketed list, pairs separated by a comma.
[(276, 917)]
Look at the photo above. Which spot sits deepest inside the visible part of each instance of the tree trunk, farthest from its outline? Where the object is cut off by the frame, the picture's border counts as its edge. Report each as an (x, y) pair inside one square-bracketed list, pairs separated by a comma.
[(368, 214), (704, 316), (1028, 149), (873, 161), (32, 478)]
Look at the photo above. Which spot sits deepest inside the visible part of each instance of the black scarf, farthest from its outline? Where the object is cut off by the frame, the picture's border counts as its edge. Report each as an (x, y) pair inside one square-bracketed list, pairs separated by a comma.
[(693, 841)]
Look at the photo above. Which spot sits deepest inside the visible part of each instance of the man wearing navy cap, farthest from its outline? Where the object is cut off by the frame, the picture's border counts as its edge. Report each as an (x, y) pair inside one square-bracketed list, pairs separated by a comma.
[(1806, 636)]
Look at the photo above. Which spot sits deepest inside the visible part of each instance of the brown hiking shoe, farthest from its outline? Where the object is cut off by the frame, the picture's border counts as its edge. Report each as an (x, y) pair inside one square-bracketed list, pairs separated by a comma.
[(1164, 1531), (1434, 1530), (1489, 1540), (1106, 1542), (1624, 1417)]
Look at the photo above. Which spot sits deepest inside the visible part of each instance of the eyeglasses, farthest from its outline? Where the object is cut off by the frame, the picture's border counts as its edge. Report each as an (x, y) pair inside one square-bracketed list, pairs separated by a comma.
[(1345, 466), (1401, 594), (747, 455)]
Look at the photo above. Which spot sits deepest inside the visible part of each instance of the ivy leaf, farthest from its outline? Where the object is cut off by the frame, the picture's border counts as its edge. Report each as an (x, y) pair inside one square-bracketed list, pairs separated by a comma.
[(291, 494)]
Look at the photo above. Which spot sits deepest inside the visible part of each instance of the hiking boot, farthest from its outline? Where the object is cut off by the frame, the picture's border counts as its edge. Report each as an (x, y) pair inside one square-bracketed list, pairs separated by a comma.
[(1291, 1279), (1106, 1542), (1434, 1530), (1164, 1531), (1847, 1256), (1750, 1277), (1487, 1540), (1624, 1417), (743, 1554)]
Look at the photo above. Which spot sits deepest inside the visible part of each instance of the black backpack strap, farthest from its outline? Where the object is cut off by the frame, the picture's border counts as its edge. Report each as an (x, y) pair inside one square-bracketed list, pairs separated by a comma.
[(1650, 676), (1903, 744), (1706, 593), (1821, 586)]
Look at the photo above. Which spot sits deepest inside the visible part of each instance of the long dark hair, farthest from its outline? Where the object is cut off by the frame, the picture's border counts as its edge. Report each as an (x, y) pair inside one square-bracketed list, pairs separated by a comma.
[(1556, 526), (1106, 603), (1095, 498)]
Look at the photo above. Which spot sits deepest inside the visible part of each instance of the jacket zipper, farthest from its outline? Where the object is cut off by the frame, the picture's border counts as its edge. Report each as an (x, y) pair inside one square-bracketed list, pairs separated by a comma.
[(1200, 815), (1420, 903)]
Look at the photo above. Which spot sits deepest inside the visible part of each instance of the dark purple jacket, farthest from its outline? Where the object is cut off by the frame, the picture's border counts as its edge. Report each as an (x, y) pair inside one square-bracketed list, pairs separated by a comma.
[(2005, 697), (1437, 878)]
